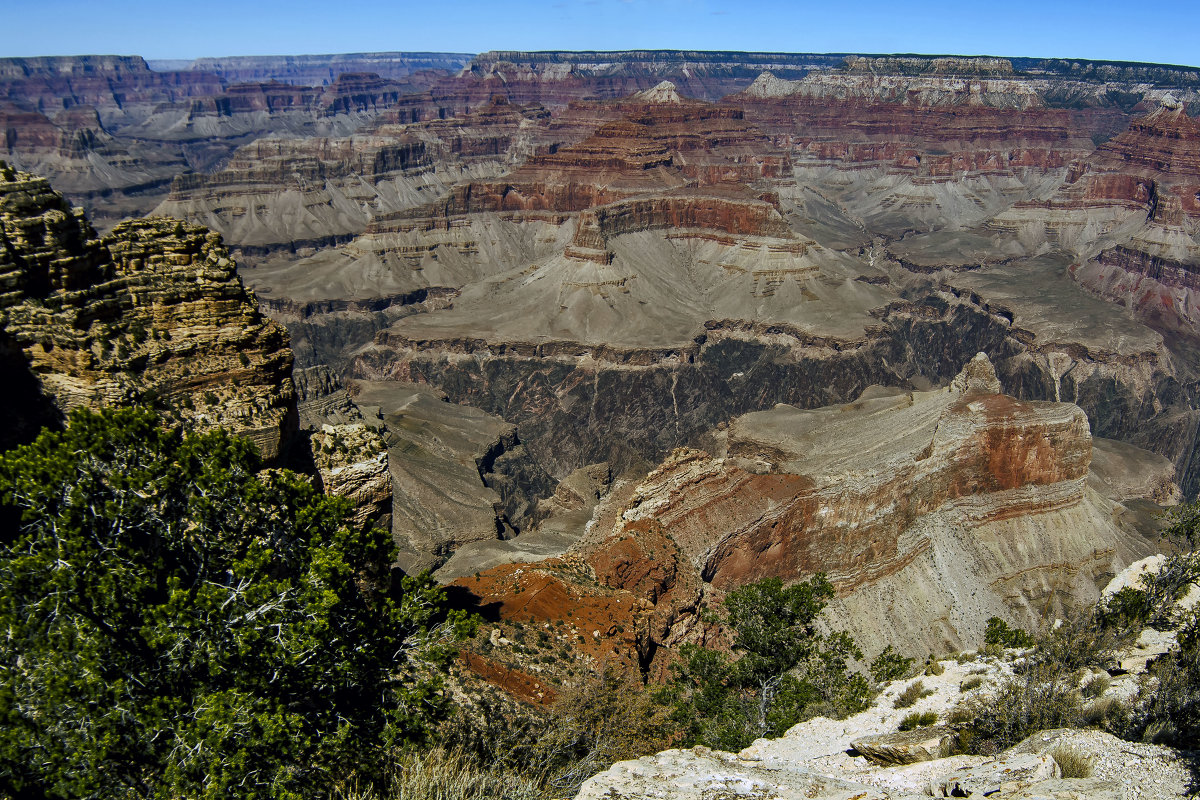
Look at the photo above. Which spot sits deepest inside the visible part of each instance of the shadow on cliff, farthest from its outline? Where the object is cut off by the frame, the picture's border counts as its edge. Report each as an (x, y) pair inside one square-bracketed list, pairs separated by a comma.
[(462, 598), (25, 409)]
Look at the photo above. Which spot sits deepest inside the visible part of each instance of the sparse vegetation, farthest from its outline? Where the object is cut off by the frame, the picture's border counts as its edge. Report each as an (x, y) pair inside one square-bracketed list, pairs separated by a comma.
[(786, 671), (1169, 711), (911, 694), (1027, 704), (1072, 762), (1046, 692), (973, 682), (918, 720)]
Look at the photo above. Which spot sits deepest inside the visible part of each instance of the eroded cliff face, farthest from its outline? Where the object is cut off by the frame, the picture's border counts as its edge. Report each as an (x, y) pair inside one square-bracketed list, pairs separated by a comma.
[(930, 512), (441, 475), (293, 193), (686, 262), (616, 267), (352, 462), (113, 134), (153, 313)]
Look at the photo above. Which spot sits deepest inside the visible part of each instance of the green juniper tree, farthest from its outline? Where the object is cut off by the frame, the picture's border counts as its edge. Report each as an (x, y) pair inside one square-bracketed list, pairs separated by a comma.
[(786, 671), (175, 622)]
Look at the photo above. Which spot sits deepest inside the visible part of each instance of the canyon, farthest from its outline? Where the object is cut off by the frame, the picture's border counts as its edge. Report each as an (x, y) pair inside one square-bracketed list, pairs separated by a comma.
[(602, 336)]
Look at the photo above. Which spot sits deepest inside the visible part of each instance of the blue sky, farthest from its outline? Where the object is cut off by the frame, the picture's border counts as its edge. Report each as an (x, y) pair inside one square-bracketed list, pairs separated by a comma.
[(1167, 31)]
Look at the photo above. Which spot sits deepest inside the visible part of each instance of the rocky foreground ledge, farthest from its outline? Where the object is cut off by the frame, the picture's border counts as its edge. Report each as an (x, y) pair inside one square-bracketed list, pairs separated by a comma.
[(868, 756), (1122, 771), (863, 758)]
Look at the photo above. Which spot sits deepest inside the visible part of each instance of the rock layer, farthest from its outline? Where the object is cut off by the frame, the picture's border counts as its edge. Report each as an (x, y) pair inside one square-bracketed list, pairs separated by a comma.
[(153, 313)]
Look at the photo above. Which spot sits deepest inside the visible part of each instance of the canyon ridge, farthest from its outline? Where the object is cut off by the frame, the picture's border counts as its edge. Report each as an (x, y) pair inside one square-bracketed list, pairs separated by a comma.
[(602, 337)]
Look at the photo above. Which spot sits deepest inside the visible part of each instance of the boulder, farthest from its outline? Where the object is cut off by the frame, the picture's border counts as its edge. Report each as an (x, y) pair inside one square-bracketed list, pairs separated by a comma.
[(904, 747), (1001, 778)]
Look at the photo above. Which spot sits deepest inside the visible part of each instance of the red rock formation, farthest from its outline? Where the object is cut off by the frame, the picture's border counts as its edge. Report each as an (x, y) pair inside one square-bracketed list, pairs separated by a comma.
[(517, 683), (682, 211), (607, 626), (351, 92), (243, 98), (663, 165), (1165, 142), (984, 445), (941, 142), (71, 134)]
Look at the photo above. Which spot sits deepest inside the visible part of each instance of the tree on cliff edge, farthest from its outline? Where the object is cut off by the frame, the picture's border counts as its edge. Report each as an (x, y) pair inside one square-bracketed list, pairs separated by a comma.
[(176, 623), (786, 670)]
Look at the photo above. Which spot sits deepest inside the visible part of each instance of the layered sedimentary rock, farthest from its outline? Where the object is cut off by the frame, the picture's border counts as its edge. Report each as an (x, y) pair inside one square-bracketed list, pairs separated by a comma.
[(617, 277), (117, 86), (352, 461), (936, 510), (153, 313), (293, 193), (929, 151), (320, 70), (660, 142), (112, 133), (929, 511), (1152, 173), (671, 257), (555, 79)]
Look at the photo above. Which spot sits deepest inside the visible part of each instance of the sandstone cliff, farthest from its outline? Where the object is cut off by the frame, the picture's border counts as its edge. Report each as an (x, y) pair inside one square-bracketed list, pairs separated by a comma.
[(352, 462), (153, 313)]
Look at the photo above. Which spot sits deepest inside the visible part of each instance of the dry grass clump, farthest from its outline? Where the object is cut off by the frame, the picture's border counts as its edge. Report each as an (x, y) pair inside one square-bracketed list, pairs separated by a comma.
[(609, 718), (1073, 762), (1095, 686), (973, 682), (918, 720), (1106, 712), (444, 774), (914, 692)]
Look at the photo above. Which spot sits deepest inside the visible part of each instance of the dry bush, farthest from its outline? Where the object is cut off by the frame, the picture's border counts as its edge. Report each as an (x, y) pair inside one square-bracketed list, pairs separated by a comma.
[(442, 774), (914, 692), (1096, 685), (607, 719), (1105, 712), (1073, 763), (973, 682), (1029, 703), (918, 720), (1168, 711)]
